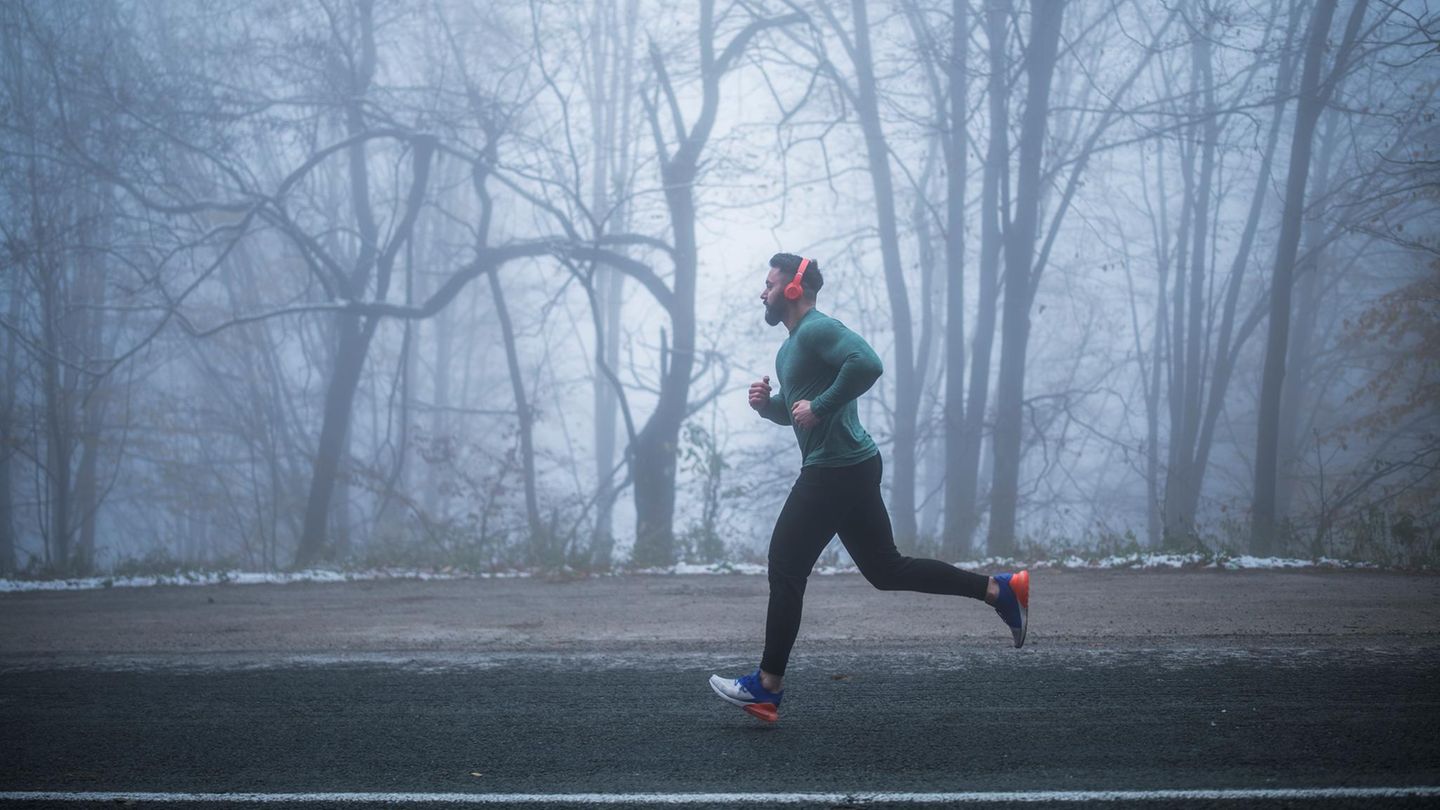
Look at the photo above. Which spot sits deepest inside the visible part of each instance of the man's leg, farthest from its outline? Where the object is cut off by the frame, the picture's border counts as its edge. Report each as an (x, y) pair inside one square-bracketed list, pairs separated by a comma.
[(868, 536), (805, 526)]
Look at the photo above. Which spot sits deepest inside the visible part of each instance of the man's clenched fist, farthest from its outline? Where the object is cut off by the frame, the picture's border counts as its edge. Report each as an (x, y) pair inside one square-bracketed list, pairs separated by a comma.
[(801, 415), (760, 394)]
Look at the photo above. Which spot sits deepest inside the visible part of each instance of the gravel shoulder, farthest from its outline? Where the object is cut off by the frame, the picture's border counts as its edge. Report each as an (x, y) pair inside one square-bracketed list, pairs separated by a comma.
[(1100, 609)]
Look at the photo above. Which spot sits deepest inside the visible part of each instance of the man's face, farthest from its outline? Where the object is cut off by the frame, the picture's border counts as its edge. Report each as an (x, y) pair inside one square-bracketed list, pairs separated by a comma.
[(774, 296)]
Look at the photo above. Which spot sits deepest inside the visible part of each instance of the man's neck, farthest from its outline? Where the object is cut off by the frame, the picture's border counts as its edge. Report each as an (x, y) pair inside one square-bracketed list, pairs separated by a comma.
[(792, 320)]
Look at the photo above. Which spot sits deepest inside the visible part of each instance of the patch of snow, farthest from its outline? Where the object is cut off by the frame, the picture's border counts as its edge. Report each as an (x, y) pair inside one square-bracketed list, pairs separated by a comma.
[(241, 578), (1070, 562), (707, 568)]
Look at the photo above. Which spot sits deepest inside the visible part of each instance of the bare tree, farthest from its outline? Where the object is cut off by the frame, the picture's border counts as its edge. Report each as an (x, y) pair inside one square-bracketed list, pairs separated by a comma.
[(611, 88), (957, 150), (60, 244), (963, 513), (373, 263), (1193, 366), (1315, 92), (679, 152), (1026, 254), (947, 75), (1020, 237), (9, 435)]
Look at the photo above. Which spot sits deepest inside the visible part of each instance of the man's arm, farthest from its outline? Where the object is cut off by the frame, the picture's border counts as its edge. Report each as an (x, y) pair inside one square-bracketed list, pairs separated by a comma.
[(859, 366), (770, 407), (776, 411)]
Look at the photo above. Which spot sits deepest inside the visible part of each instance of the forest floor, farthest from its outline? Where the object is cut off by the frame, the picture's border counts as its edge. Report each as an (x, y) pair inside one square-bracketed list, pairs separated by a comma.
[(1180, 688)]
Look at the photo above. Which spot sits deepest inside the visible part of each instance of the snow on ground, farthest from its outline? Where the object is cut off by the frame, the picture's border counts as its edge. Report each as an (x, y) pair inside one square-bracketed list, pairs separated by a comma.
[(239, 578), (1071, 562)]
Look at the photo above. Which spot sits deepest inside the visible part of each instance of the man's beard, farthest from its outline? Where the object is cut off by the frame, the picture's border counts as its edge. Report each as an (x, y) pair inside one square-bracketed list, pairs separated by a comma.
[(773, 315)]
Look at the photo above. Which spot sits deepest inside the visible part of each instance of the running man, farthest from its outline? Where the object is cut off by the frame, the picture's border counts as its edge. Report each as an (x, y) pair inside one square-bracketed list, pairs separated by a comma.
[(823, 368)]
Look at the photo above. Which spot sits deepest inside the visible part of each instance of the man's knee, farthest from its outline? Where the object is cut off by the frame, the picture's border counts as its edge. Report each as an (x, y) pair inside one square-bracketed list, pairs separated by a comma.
[(786, 579), (884, 576)]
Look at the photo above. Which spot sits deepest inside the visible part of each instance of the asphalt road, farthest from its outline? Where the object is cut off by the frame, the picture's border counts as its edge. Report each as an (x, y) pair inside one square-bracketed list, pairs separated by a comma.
[(976, 721), (912, 716)]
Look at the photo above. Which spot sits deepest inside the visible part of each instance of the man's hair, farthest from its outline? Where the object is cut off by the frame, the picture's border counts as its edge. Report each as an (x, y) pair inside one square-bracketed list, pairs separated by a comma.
[(788, 263)]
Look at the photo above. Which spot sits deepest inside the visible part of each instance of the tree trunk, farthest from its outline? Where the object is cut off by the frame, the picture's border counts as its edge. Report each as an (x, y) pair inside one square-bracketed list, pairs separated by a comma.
[(1188, 375), (930, 458), (606, 413), (9, 436), (341, 524), (1295, 398), (1154, 522), (612, 136), (656, 445), (907, 386), (956, 540), (87, 488), (59, 436), (440, 405), (352, 345), (92, 408), (7, 507), (993, 210), (1226, 354), (1299, 363), (1263, 538), (539, 545), (389, 516), (1177, 378), (654, 460), (1154, 519), (1019, 257), (352, 334)]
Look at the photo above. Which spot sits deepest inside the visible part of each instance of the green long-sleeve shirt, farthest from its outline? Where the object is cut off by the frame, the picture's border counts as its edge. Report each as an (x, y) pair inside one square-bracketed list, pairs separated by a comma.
[(831, 366)]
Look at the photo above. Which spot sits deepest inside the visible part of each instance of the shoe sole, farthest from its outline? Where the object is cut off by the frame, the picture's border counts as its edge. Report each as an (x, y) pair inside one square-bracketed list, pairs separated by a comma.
[(1020, 585), (764, 711), (768, 712)]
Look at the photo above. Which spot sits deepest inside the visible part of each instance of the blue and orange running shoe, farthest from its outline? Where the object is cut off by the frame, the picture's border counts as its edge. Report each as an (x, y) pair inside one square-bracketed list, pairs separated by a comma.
[(1013, 604), (749, 694)]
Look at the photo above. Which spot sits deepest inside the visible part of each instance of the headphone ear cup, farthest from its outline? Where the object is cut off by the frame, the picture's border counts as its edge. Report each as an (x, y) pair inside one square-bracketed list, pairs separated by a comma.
[(793, 290)]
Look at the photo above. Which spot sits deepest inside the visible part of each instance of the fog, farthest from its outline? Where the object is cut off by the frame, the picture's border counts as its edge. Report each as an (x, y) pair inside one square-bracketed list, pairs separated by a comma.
[(477, 286)]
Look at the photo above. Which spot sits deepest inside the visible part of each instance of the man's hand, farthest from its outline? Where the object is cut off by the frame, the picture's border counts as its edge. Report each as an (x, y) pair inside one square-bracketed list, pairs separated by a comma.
[(801, 415), (760, 394)]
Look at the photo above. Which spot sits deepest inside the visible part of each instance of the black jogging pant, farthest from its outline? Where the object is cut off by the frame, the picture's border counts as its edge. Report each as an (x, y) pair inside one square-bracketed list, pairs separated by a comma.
[(826, 501)]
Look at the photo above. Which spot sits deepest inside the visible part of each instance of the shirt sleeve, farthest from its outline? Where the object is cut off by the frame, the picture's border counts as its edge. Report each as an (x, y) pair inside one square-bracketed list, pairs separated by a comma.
[(859, 366), (776, 411)]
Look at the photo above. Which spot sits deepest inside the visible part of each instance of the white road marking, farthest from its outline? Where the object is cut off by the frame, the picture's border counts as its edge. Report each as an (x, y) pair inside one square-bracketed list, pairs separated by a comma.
[(1237, 794)]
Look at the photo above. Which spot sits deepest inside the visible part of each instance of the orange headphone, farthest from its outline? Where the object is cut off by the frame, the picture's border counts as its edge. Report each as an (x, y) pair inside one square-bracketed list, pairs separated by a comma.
[(793, 290)]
